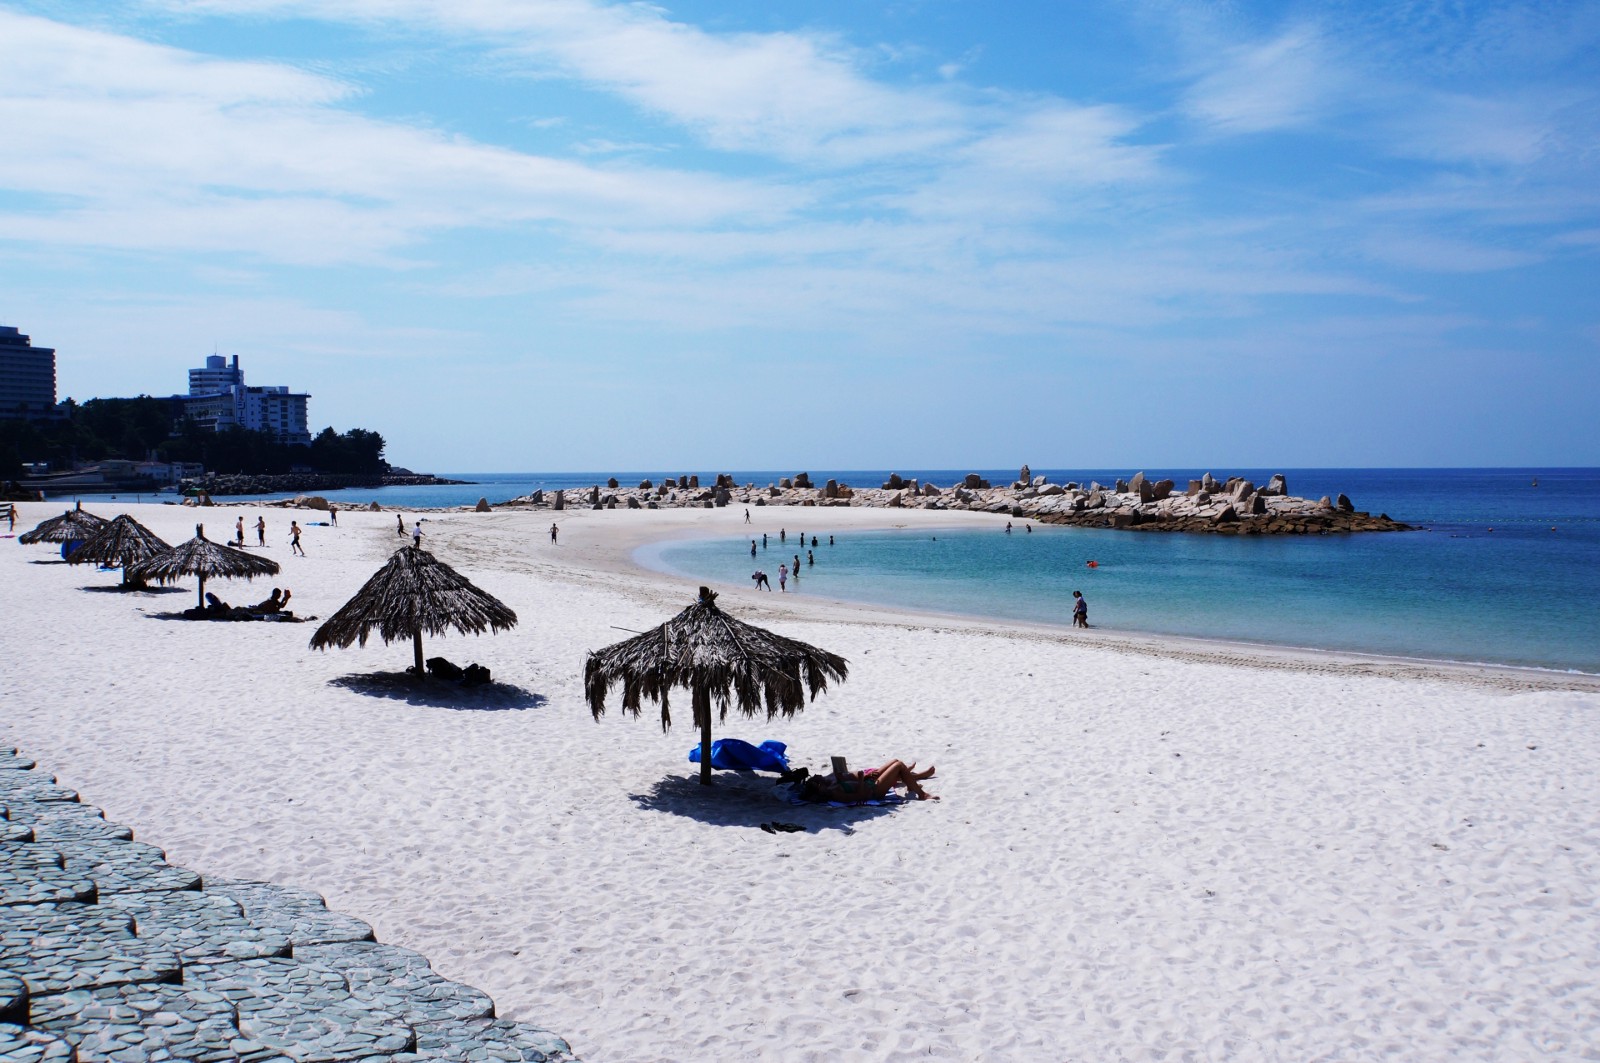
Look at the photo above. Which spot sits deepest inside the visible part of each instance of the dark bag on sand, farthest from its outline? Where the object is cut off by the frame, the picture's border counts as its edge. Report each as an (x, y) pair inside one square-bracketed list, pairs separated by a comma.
[(440, 668), (476, 675)]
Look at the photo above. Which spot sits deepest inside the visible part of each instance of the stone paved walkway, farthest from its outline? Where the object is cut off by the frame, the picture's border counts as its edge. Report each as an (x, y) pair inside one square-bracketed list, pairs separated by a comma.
[(109, 953)]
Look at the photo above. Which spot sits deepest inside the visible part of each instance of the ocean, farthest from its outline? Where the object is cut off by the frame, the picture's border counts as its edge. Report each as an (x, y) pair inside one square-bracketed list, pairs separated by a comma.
[(1506, 572)]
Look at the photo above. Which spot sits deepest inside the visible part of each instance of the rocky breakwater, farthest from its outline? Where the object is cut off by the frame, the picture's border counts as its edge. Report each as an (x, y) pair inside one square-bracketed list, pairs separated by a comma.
[(1229, 507), (220, 484)]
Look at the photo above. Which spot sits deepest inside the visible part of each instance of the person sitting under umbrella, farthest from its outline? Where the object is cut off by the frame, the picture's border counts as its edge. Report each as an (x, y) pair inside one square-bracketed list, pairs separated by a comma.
[(871, 784), (275, 603)]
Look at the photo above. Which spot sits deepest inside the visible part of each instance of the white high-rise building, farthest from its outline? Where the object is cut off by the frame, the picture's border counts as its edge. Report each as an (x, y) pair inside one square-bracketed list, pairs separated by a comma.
[(219, 399)]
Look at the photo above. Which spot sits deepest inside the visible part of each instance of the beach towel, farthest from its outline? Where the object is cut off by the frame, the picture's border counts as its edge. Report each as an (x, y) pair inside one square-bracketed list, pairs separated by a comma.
[(737, 755), (792, 796)]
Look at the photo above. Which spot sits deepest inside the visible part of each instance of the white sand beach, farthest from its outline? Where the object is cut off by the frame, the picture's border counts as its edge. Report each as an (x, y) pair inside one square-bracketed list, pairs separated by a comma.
[(1146, 849)]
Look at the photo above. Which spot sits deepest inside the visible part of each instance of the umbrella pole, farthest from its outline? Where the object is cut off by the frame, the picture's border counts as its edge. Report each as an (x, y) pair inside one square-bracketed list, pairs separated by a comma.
[(702, 705), (202, 591), (416, 644)]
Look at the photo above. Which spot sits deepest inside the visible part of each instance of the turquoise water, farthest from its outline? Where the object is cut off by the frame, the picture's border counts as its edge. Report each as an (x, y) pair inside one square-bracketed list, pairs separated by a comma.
[(1506, 574)]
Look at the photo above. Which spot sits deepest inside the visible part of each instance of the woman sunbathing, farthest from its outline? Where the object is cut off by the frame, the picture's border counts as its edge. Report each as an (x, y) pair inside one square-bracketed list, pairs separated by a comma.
[(868, 785)]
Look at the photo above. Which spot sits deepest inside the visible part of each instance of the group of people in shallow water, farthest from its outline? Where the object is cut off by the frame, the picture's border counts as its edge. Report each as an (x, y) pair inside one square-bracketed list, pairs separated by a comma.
[(785, 573)]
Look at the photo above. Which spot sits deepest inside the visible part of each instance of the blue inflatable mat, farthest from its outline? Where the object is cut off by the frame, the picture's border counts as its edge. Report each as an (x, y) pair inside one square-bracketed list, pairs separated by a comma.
[(737, 755)]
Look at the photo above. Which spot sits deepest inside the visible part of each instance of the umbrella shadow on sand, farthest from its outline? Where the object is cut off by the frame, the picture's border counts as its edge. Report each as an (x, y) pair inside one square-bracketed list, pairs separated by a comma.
[(747, 799), (440, 694), (126, 588)]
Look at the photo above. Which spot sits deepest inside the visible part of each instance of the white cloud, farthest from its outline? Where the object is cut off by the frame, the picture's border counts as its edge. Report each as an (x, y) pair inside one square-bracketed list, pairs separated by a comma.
[(139, 145), (1280, 83)]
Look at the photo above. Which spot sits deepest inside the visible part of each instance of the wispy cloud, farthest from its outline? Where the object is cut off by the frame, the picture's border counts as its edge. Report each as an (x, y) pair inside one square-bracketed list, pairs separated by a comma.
[(1279, 83), (142, 145)]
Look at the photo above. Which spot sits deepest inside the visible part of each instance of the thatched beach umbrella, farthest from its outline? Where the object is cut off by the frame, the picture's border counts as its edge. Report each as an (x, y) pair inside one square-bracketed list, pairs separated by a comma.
[(415, 593), (124, 542), (203, 558), (75, 525), (717, 659)]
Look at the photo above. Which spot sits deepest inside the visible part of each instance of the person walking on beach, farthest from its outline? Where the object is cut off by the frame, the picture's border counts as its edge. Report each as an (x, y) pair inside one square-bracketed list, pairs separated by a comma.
[(747, 516), (783, 577), (261, 531), (553, 533), (294, 539), (400, 525), (333, 515), (1080, 610), (416, 534), (238, 532)]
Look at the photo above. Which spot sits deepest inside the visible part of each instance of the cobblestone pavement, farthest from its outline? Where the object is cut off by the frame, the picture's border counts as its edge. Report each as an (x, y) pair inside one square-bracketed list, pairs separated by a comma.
[(108, 953)]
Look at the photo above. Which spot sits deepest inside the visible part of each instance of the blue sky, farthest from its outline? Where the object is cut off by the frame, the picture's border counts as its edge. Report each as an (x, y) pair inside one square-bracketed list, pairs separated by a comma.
[(512, 234)]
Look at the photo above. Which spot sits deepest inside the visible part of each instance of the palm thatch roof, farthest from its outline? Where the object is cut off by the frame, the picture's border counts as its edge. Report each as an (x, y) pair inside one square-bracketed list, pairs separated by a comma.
[(414, 594), (122, 543), (203, 558), (76, 524), (720, 661)]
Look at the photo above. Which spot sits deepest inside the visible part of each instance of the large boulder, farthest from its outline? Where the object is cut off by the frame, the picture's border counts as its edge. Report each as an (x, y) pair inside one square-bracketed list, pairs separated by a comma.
[(1258, 504), (594, 495), (1163, 489), (830, 489), (1025, 476), (973, 481), (483, 506), (1345, 505), (1195, 487), (929, 491), (612, 483), (311, 502), (894, 483), (1241, 489), (802, 480), (1051, 489), (537, 498), (1277, 486), (1227, 515), (633, 502), (1095, 500), (694, 481), (1122, 487), (1040, 480), (786, 483), (645, 485), (561, 500), (1137, 481), (1209, 483)]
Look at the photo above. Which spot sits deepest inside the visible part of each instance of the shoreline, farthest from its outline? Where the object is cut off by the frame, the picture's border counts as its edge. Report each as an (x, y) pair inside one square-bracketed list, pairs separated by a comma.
[(1158, 644)]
